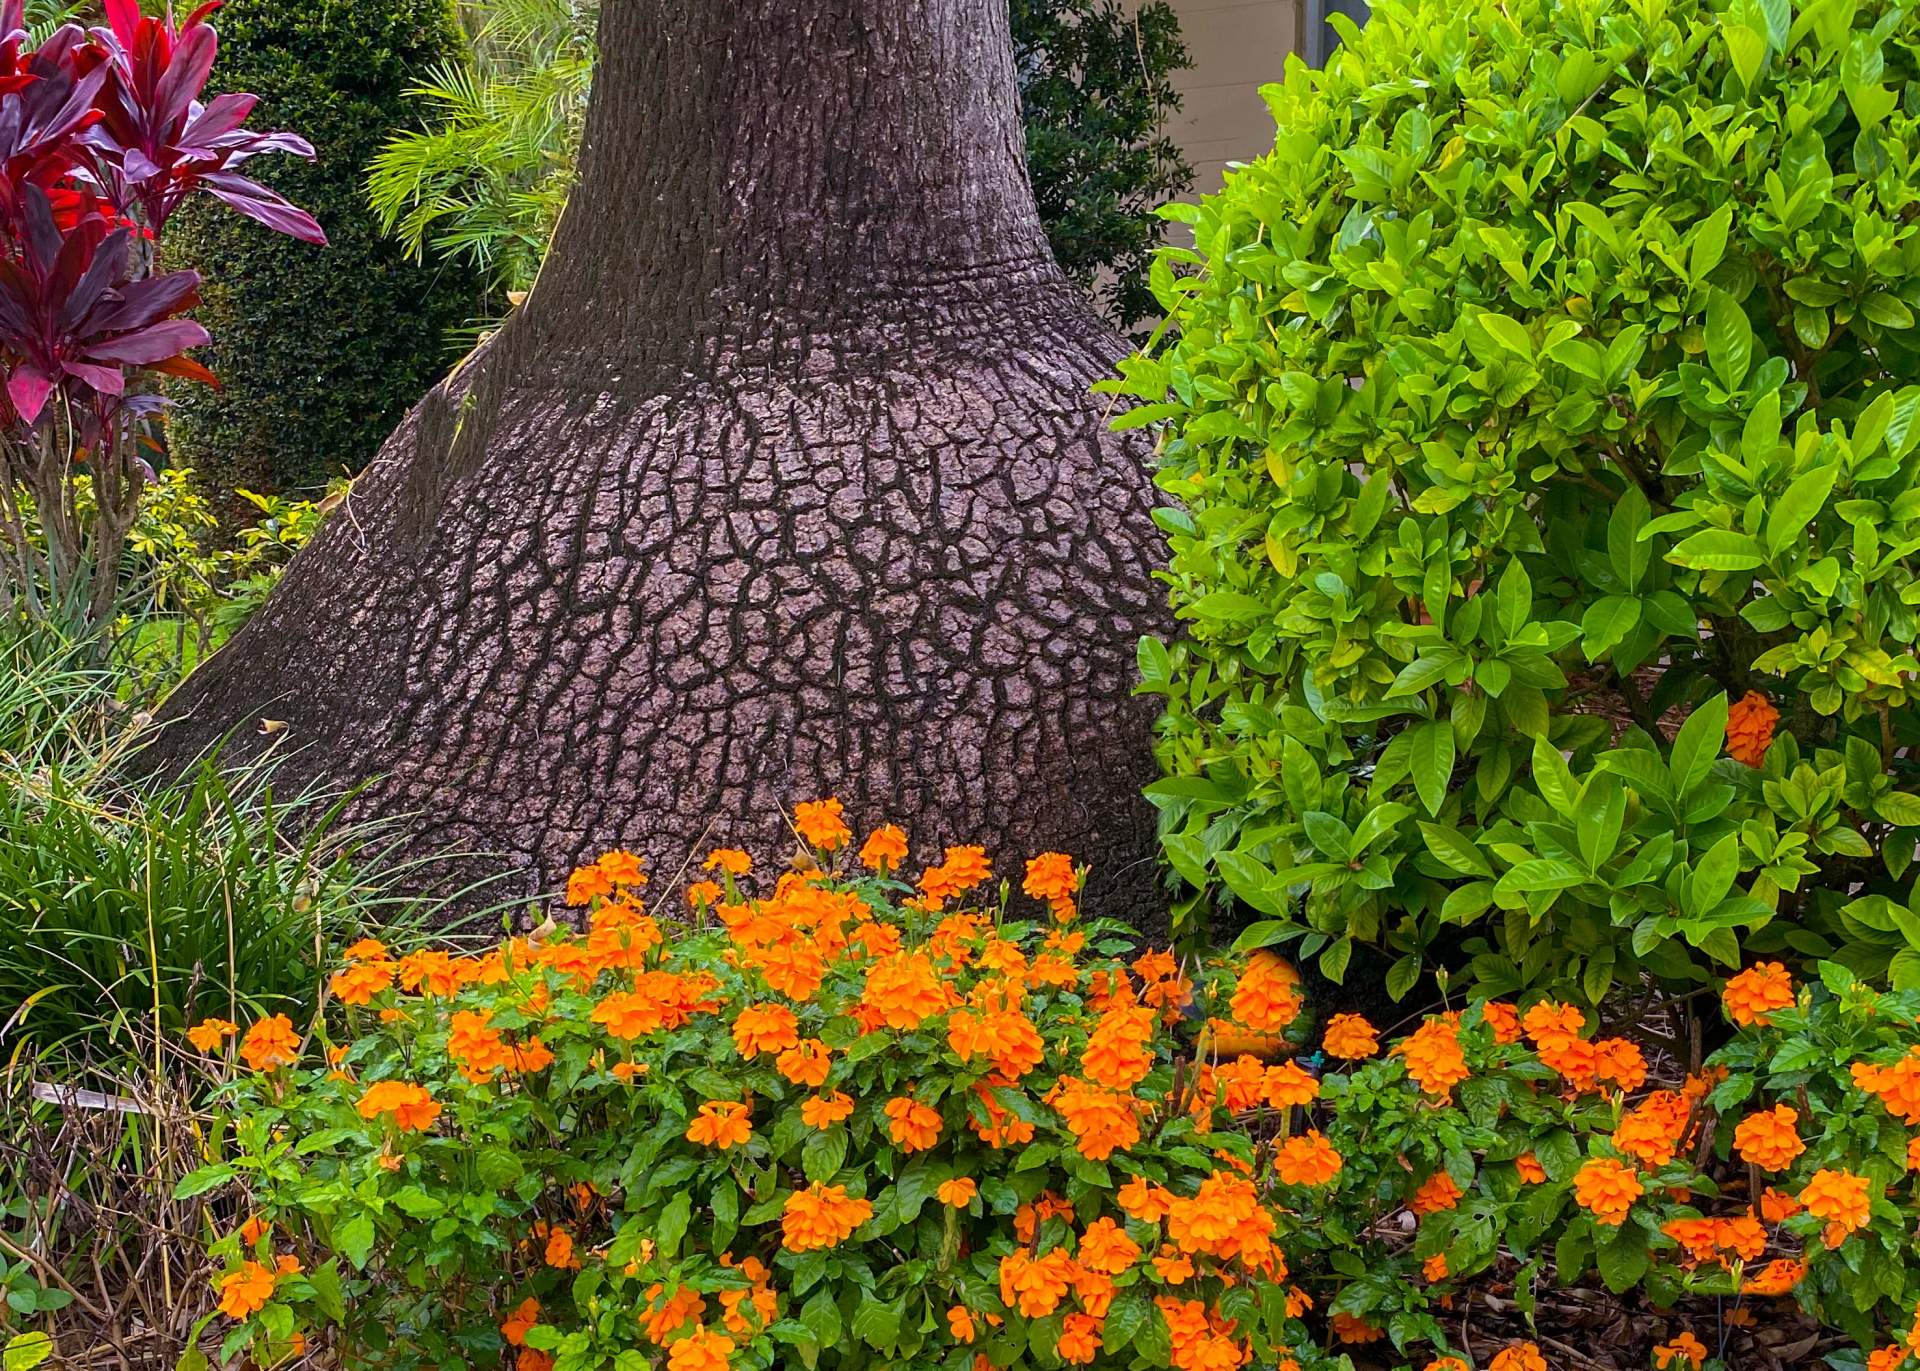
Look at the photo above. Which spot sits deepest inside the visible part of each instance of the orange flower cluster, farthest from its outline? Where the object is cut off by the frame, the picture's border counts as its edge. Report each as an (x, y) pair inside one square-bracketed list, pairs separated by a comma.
[(1839, 1197), (1683, 1351), (821, 1216), (412, 1107), (271, 1044), (1307, 1159), (1755, 993), (1607, 1190), (208, 1034), (1051, 877), (820, 824), (1750, 722), (1435, 1061), (1722, 1240), (1654, 1131), (721, 1124), (1267, 997), (1554, 1030), (1768, 1139), (1897, 1086), (1351, 1037)]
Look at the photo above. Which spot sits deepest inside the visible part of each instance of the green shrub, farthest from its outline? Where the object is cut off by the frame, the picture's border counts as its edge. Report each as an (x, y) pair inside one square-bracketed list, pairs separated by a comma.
[(319, 350), (1095, 96), (1553, 377)]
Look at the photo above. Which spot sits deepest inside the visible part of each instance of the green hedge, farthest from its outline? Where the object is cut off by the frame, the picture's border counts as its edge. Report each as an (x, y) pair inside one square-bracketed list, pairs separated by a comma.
[(319, 350)]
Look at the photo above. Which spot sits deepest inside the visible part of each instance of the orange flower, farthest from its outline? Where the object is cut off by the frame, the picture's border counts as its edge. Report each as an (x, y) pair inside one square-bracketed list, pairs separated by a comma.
[(1288, 1084), (1434, 1059), (360, 982), (1607, 1189), (1776, 1206), (1777, 1277), (1116, 1054), (1898, 1085), (1685, 1349), (514, 1330), (1438, 1192), (1035, 1285), (824, 1111), (1079, 1341), (704, 894), (270, 1044), (821, 1216), (1518, 1356), (721, 1123), (1654, 1130), (765, 1028), (903, 990), (1352, 1328), (1434, 1268), (559, 1250), (914, 1126), (1051, 877), (883, 851), (1447, 1364), (819, 824), (1767, 1138), (1142, 1200), (1839, 1197), (1754, 993), (1267, 996), (731, 860), (587, 884), (959, 1320), (208, 1034), (1105, 1247), (807, 1063), (254, 1229), (1504, 1019), (957, 1193), (412, 1107), (246, 1291), (1174, 1267), (1008, 1037), (1531, 1172), (1307, 1159), (1102, 1121), (1350, 1036), (622, 868), (1750, 721), (1888, 1358), (700, 1350)]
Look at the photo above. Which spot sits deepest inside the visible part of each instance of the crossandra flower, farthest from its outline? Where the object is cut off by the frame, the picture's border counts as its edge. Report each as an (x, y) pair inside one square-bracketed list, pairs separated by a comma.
[(1607, 1190), (1266, 998), (1051, 877), (587, 884), (1035, 1285), (1105, 1247), (1434, 1059), (914, 1126), (1351, 1037), (1653, 1131), (1079, 1341), (412, 1107), (1143, 1200), (1898, 1085), (957, 1193), (1289, 1084), (1518, 1356), (208, 1034), (824, 1111), (1504, 1019), (358, 982), (765, 1028), (820, 825), (730, 860), (700, 1350), (1680, 1353), (1102, 1121), (1750, 723), (246, 1291), (884, 849), (1116, 1054), (1839, 1197), (821, 1216), (1437, 1193), (270, 1044), (808, 1062), (1434, 1268), (723, 1124), (1354, 1329), (1531, 1172), (904, 990), (1777, 1277), (960, 1323), (524, 1316), (1751, 996), (1307, 1159), (1767, 1138)]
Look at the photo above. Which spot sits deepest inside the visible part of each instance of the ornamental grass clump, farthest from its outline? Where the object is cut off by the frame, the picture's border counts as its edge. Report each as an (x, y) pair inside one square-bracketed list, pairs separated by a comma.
[(1551, 383)]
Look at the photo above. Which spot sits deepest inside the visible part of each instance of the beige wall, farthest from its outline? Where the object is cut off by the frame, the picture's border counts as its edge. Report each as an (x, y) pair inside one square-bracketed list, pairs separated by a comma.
[(1237, 46)]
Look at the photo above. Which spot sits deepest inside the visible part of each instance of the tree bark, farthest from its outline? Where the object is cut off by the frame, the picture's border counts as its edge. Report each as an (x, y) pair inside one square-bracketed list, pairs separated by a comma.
[(783, 482)]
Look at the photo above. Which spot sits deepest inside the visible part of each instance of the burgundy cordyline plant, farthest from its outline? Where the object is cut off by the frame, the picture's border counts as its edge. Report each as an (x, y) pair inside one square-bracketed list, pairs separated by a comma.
[(102, 135)]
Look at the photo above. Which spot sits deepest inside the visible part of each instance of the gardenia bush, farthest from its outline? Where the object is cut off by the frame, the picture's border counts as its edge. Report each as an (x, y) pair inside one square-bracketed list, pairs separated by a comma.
[(1553, 378), (855, 1120)]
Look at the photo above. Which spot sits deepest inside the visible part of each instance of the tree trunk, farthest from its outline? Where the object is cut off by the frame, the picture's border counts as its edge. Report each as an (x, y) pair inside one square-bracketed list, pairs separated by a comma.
[(784, 482)]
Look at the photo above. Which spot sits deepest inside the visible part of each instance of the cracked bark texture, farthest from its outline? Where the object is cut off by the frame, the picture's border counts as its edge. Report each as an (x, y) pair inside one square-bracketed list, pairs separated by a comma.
[(784, 482)]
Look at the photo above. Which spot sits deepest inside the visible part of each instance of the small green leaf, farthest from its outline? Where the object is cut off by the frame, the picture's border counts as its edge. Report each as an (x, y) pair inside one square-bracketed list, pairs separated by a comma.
[(27, 1351)]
